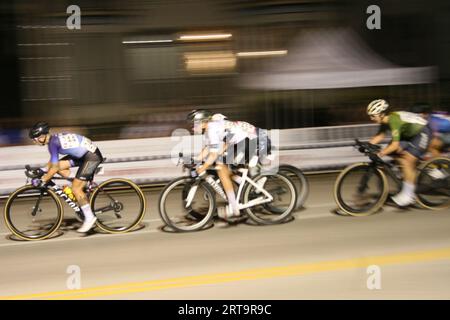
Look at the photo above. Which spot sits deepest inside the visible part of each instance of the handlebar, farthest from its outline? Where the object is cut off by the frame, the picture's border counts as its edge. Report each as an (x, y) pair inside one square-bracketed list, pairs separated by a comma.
[(33, 172), (369, 149)]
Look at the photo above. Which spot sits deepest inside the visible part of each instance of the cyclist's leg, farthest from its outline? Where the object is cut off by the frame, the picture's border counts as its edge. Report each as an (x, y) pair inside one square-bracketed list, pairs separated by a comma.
[(409, 154), (85, 173), (225, 178), (435, 147)]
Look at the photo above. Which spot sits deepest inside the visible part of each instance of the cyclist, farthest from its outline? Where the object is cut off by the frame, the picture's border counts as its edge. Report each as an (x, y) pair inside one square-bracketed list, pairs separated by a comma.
[(227, 142), (439, 122), (79, 152), (410, 139)]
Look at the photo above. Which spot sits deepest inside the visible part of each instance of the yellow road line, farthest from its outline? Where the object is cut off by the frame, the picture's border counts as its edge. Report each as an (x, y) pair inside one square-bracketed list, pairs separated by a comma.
[(251, 274)]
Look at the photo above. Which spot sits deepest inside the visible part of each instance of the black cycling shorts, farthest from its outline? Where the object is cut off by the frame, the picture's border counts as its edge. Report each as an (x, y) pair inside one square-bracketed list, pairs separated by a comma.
[(418, 145), (87, 164)]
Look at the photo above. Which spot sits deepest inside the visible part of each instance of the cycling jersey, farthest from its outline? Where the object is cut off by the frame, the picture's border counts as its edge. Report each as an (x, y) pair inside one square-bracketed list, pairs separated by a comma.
[(439, 123), (73, 145), (232, 132), (403, 125)]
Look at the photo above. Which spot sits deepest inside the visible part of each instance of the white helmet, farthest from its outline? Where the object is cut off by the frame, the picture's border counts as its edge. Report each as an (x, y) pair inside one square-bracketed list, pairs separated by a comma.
[(377, 106), (218, 117)]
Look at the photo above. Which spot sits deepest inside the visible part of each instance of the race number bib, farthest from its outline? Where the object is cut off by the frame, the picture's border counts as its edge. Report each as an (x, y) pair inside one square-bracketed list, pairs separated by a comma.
[(68, 141), (86, 143)]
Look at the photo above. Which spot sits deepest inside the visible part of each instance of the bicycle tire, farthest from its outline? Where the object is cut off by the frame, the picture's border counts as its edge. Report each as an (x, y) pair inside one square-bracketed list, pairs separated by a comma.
[(138, 192), (421, 200), (10, 224), (346, 208), (282, 217), (169, 188)]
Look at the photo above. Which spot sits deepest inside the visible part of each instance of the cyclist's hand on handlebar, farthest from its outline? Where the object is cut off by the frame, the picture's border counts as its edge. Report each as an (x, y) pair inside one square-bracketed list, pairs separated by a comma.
[(36, 182)]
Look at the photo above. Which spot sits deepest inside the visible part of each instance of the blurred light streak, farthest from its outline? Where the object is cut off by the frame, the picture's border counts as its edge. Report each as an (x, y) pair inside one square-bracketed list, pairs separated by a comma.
[(45, 44), (210, 61), (205, 37), (262, 53), (147, 41)]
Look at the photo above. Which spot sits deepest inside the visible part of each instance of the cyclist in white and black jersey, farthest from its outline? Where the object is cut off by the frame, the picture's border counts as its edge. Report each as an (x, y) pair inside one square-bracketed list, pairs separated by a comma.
[(227, 142)]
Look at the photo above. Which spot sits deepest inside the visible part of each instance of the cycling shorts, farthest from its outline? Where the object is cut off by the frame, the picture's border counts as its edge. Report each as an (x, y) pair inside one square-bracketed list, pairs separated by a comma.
[(418, 145), (87, 164)]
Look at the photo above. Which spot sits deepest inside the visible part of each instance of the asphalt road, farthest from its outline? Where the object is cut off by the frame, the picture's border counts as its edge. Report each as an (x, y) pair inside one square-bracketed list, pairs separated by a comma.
[(395, 254)]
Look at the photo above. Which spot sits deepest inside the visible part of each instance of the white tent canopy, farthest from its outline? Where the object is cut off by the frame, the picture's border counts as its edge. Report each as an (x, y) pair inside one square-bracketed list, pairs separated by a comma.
[(332, 58)]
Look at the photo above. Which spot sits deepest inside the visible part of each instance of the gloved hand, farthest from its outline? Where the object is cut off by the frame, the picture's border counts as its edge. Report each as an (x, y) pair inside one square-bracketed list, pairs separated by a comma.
[(36, 182), (194, 173)]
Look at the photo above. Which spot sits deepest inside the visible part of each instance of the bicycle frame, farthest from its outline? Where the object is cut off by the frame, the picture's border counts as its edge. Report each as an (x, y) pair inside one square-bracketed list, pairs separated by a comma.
[(243, 179)]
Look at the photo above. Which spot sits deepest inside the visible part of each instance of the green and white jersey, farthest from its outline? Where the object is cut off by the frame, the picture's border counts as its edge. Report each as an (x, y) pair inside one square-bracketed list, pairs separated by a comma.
[(403, 125)]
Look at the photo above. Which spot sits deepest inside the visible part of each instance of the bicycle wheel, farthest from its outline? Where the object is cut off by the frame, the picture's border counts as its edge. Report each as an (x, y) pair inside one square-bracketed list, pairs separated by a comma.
[(173, 201), (119, 205), (284, 194), (433, 184), (299, 180), (32, 213), (361, 189)]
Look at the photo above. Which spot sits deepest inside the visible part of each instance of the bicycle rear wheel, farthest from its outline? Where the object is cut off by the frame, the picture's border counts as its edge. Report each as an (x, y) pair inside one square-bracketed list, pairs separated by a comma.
[(433, 184), (361, 189), (284, 194), (119, 205), (33, 213), (186, 206), (299, 180)]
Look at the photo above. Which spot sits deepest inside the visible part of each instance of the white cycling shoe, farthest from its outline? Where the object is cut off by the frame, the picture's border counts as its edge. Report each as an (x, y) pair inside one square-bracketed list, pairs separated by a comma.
[(402, 199), (227, 212), (87, 225)]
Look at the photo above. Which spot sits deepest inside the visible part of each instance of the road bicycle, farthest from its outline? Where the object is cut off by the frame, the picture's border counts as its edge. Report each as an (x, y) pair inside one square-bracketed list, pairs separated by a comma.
[(189, 204), (36, 213), (362, 188)]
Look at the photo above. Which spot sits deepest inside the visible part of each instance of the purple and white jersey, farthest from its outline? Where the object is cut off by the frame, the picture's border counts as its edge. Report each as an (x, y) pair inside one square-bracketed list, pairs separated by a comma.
[(70, 144)]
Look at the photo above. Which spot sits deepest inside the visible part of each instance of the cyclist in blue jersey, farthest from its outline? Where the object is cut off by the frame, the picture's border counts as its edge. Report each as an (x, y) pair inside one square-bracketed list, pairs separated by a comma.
[(79, 152), (439, 122)]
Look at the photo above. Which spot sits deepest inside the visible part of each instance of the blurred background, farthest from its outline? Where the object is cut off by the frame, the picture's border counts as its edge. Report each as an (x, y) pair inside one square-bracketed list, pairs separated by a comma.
[(136, 67)]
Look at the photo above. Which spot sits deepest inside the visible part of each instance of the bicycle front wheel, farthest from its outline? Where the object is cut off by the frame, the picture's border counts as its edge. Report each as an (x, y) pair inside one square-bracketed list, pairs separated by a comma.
[(284, 195), (361, 189), (187, 206), (119, 205), (33, 213), (433, 184)]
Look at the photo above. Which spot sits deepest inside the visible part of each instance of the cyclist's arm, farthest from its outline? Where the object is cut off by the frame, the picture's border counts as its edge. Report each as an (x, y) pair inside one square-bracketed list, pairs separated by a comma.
[(378, 138), (202, 154), (53, 168), (395, 126), (392, 147), (212, 157)]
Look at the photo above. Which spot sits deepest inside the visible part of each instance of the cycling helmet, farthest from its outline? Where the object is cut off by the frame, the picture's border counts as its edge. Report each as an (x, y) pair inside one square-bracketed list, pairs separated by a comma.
[(376, 107), (218, 117), (198, 115), (421, 108), (38, 129)]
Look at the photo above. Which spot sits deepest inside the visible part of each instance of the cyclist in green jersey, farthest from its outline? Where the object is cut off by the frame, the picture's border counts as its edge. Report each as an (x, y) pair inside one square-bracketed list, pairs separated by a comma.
[(410, 139)]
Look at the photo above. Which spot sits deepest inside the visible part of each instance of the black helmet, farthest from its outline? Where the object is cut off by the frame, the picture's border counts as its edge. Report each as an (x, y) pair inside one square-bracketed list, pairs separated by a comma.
[(198, 115), (421, 108), (38, 129)]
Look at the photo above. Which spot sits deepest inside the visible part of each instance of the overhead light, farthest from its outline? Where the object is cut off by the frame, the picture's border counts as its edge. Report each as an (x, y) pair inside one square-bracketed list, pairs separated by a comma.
[(194, 37), (146, 41), (262, 53)]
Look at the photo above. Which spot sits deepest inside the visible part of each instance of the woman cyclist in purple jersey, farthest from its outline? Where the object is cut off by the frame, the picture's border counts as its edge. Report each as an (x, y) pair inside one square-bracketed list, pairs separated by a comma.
[(78, 151)]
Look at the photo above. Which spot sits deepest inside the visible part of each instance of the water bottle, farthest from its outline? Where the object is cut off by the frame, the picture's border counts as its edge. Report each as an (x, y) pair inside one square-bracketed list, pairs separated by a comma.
[(68, 191)]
